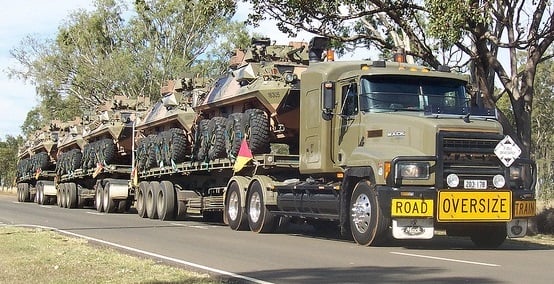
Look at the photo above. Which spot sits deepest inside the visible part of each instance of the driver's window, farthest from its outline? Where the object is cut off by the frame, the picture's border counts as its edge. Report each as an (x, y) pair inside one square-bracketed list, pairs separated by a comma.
[(349, 100)]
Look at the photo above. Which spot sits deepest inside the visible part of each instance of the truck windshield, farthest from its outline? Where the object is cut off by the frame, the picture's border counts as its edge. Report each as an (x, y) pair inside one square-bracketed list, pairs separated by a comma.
[(395, 93)]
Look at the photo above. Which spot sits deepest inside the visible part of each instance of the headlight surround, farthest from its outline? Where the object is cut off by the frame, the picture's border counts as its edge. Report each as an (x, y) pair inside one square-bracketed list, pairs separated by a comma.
[(412, 170)]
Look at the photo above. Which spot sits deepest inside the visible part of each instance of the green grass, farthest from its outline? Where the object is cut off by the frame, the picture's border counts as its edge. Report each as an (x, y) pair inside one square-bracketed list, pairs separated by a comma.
[(41, 256)]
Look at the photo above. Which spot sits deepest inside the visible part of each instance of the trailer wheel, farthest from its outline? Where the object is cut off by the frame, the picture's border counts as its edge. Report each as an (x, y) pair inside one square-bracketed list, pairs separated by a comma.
[(99, 197), (234, 210), (151, 199), (166, 201), (60, 196), (489, 236), (26, 192), (367, 222), (108, 202), (234, 133), (257, 131), (19, 193), (40, 193), (141, 199), (71, 189), (260, 219)]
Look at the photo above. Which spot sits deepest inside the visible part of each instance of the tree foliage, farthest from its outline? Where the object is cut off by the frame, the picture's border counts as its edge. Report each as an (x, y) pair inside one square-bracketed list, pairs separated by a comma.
[(8, 159), (117, 50)]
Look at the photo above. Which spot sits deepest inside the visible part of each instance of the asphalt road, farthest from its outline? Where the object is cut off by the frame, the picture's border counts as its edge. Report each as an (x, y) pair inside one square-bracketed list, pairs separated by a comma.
[(298, 254)]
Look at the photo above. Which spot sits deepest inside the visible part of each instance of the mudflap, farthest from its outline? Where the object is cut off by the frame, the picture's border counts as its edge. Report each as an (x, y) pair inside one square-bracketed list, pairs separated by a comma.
[(517, 228), (413, 228)]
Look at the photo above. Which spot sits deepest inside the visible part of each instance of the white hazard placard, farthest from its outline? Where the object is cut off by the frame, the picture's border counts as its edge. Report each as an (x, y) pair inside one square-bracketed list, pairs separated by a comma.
[(507, 151)]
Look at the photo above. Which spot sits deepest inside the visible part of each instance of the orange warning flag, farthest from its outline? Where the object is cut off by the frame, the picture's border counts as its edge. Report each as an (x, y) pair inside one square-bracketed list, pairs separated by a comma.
[(243, 157), (98, 170)]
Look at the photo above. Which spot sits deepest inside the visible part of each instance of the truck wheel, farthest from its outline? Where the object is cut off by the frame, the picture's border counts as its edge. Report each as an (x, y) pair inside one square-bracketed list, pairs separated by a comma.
[(151, 200), (216, 138), (99, 197), (234, 133), (489, 236), (71, 189), (260, 219), (61, 198), (108, 202), (257, 131), (233, 208), (366, 218), (19, 193), (166, 201), (141, 199)]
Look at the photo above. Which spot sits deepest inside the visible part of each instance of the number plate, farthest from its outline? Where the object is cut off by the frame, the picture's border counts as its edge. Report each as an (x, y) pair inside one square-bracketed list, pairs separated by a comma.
[(475, 184), (412, 207), (474, 206)]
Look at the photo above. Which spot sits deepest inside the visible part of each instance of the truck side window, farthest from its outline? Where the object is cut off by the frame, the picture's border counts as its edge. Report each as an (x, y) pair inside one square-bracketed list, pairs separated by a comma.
[(349, 100)]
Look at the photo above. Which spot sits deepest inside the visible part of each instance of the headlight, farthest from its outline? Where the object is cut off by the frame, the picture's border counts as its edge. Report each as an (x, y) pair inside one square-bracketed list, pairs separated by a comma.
[(452, 180), (289, 77), (412, 170), (498, 181)]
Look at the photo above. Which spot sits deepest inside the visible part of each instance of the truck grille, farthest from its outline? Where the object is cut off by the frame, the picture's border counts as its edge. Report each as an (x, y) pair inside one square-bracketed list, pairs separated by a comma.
[(469, 155)]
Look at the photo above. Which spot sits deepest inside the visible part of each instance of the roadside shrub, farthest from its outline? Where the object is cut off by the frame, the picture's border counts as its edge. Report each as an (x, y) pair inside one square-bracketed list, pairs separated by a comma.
[(545, 221)]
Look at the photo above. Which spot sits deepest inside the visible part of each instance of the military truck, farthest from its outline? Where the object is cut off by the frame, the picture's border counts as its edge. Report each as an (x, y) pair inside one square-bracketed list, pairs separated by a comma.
[(377, 148), (35, 168), (95, 158)]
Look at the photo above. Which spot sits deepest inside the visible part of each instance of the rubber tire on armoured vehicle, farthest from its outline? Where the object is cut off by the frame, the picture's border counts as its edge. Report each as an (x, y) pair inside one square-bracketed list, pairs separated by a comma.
[(166, 201), (201, 143), (235, 215), (151, 199), (257, 131), (234, 133), (178, 145), (216, 138), (141, 199), (367, 222), (260, 219)]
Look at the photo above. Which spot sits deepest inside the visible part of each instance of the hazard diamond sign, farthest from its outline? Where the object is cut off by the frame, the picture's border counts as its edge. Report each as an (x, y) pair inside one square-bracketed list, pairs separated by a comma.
[(507, 151)]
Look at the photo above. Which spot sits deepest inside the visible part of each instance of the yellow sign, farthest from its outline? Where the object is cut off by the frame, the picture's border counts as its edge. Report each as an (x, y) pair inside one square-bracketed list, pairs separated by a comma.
[(412, 207), (525, 208), (471, 206)]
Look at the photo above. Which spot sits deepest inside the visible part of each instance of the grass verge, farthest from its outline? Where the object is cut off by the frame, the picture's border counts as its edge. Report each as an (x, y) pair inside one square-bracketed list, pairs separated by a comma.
[(41, 256)]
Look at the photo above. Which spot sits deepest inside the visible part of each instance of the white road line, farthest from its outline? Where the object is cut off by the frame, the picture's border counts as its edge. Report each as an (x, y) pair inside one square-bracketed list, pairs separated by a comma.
[(135, 250), (45, 206), (446, 259), (95, 213), (203, 227)]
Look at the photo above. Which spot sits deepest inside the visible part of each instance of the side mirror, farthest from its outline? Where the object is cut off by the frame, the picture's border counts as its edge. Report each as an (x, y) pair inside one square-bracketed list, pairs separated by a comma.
[(328, 99)]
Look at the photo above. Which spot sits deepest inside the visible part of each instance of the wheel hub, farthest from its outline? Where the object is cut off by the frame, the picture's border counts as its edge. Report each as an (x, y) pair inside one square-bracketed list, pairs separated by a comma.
[(255, 207), (361, 213), (232, 208)]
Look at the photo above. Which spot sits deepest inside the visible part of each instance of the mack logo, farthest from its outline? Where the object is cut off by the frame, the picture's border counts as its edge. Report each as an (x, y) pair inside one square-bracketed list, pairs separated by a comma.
[(396, 133), (414, 230)]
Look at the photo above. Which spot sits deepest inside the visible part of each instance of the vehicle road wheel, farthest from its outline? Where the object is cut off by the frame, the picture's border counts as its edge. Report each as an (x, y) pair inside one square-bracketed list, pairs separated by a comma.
[(26, 192), (234, 133), (71, 190), (40, 193), (489, 236), (99, 197), (60, 197), (234, 210), (367, 222), (260, 219), (151, 200), (216, 136), (166, 201), (257, 131), (141, 199), (108, 202)]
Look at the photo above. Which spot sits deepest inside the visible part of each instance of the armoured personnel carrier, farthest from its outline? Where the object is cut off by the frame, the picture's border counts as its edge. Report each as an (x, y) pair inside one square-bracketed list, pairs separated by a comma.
[(37, 162)]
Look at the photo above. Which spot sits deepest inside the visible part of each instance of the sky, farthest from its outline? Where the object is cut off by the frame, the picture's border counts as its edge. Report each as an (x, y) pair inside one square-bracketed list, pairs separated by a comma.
[(41, 19)]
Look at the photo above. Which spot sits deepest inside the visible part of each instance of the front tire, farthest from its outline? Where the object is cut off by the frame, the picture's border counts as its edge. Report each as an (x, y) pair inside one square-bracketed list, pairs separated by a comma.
[(367, 222), (489, 237), (260, 219), (233, 208)]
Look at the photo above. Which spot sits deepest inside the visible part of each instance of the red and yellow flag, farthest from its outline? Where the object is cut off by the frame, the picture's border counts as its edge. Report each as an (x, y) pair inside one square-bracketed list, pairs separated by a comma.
[(98, 170), (244, 156)]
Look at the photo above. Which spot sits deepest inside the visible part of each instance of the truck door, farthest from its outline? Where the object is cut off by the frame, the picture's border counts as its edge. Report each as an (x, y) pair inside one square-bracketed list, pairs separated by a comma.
[(348, 127)]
